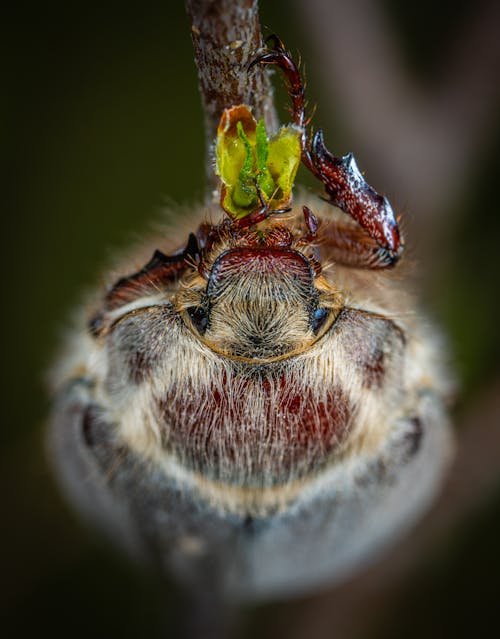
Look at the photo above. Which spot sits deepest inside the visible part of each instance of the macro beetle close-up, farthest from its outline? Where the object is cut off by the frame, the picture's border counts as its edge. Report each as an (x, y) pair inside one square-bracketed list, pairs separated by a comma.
[(266, 379), (250, 386)]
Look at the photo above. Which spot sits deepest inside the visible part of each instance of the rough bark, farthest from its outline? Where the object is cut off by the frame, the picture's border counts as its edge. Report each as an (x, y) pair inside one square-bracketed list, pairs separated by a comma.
[(226, 35)]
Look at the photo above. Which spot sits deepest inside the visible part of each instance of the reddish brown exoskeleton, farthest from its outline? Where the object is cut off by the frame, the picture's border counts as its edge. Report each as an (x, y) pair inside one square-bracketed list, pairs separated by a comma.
[(346, 187), (262, 409)]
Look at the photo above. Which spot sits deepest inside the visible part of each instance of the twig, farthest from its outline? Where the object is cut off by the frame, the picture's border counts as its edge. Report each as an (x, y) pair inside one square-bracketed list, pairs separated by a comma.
[(226, 35)]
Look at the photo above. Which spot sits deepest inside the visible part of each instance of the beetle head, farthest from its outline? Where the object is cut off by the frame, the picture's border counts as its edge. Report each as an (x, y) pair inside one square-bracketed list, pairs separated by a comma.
[(261, 301)]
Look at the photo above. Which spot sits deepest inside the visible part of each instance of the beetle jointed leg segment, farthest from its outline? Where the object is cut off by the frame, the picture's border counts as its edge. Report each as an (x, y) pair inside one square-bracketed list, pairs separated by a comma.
[(347, 189), (344, 183), (352, 246)]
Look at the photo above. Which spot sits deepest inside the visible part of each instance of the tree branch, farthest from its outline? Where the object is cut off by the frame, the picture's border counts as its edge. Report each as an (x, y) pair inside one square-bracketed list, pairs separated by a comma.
[(226, 35)]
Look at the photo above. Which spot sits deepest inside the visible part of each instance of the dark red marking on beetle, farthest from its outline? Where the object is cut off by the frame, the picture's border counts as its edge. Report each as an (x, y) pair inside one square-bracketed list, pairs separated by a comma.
[(267, 261), (341, 177), (294, 435), (375, 346)]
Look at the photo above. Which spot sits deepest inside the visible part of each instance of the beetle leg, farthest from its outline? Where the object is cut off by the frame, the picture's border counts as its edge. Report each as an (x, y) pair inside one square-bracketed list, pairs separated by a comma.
[(279, 57), (350, 245), (161, 270), (348, 190), (343, 181)]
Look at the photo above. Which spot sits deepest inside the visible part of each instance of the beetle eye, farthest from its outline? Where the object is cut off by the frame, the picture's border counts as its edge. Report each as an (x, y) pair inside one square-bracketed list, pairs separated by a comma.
[(318, 319), (199, 318)]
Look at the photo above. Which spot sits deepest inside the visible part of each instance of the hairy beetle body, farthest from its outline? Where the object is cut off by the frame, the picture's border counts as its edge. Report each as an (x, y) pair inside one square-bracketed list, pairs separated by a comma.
[(258, 407)]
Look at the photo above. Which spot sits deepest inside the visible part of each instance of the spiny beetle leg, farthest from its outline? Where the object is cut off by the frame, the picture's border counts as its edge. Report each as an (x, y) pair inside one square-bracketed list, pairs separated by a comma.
[(344, 183), (283, 60), (351, 246), (161, 268), (348, 190)]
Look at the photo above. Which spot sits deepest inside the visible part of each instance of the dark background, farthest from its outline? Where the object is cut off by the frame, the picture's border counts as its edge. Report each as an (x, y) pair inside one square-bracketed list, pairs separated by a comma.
[(101, 128)]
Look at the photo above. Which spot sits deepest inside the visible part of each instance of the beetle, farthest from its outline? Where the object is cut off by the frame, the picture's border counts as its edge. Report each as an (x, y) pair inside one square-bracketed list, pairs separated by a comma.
[(262, 408)]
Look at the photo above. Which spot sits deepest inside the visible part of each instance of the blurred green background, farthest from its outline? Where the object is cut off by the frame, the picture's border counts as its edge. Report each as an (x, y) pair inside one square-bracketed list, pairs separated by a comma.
[(101, 127)]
